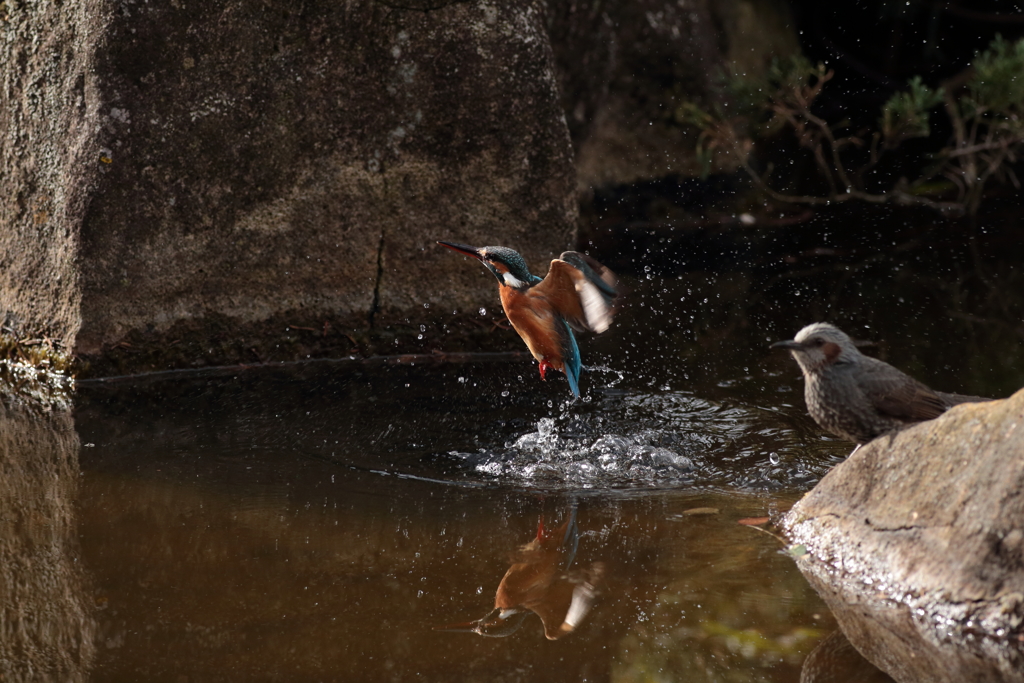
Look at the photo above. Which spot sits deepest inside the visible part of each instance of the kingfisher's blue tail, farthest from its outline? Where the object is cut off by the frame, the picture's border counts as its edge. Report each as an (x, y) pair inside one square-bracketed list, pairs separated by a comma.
[(571, 359)]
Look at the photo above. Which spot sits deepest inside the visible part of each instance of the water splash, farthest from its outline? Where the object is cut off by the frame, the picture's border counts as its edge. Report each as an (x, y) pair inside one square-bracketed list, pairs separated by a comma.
[(553, 457), (649, 440)]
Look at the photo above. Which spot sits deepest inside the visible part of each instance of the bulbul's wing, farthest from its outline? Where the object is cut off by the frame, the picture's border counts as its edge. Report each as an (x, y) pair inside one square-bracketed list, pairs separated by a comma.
[(956, 399), (897, 394)]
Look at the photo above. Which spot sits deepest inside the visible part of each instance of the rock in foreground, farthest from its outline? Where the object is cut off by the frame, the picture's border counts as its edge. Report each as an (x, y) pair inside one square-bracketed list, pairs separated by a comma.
[(930, 518)]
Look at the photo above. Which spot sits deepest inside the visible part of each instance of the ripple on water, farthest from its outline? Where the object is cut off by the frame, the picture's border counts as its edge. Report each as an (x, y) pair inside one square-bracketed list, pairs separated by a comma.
[(655, 440)]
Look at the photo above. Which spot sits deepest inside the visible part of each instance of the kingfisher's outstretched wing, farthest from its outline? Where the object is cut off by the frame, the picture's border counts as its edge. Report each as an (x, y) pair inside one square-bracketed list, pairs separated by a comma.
[(581, 290)]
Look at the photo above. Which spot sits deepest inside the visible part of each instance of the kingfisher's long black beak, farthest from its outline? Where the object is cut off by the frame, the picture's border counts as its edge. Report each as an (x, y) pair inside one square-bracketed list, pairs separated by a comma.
[(464, 627), (474, 626), (463, 249), (497, 624), (790, 344)]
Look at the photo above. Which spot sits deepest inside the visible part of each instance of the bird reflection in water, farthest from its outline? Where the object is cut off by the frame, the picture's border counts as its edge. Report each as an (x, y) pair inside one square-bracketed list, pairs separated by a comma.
[(542, 581)]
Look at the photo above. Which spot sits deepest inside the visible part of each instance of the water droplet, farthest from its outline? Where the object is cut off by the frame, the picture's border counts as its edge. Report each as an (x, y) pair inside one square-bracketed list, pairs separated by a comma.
[(774, 458)]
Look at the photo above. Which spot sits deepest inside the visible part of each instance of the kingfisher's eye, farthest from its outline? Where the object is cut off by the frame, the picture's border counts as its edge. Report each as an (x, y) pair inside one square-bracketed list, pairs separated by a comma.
[(817, 341)]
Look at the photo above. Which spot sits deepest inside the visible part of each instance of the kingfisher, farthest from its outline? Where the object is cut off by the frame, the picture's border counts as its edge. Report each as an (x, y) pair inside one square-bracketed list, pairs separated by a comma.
[(578, 293), (541, 582)]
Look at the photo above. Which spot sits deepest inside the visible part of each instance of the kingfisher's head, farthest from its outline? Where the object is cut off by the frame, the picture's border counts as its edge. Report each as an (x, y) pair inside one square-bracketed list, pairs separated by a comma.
[(506, 264)]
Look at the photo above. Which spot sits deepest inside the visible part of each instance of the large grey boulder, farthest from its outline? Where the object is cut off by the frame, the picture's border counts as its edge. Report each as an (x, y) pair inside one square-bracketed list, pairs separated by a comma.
[(931, 520), (909, 647), (186, 183), (218, 169), (48, 160)]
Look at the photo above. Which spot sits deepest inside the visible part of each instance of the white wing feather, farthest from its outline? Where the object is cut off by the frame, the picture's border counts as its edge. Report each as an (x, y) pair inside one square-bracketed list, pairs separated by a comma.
[(595, 309), (582, 598)]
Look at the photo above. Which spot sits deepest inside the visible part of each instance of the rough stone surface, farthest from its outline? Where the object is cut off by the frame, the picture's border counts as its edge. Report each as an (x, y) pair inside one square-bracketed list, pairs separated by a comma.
[(931, 517), (47, 143), (910, 648), (194, 183), (221, 165), (303, 159)]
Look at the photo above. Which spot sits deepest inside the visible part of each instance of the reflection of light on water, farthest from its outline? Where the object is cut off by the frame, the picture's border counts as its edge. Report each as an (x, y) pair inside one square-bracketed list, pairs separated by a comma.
[(544, 580), (47, 615)]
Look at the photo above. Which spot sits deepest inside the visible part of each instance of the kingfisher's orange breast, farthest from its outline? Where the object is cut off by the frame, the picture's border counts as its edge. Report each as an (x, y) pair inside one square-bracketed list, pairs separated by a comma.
[(532, 317), (537, 564)]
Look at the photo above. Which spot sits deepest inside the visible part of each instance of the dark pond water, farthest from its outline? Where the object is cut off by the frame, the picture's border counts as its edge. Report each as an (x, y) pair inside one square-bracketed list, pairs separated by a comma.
[(319, 523), (326, 520)]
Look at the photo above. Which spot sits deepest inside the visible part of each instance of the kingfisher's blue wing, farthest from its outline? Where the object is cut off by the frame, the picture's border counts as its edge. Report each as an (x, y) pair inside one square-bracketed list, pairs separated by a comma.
[(582, 294)]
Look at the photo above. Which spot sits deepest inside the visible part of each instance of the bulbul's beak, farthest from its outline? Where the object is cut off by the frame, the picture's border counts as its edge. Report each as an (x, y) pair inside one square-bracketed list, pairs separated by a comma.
[(789, 344)]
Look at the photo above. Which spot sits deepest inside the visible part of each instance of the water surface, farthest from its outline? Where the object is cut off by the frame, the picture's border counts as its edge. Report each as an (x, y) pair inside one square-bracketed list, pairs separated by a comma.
[(319, 522), (323, 520)]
